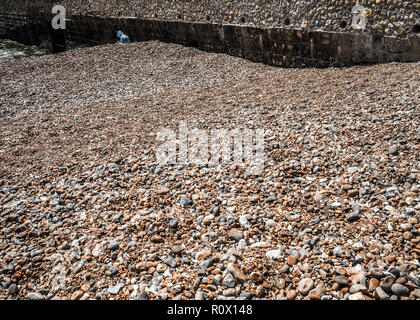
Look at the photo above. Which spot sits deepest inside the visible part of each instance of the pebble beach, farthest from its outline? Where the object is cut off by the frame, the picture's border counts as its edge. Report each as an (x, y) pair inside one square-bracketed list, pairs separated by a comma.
[(87, 213)]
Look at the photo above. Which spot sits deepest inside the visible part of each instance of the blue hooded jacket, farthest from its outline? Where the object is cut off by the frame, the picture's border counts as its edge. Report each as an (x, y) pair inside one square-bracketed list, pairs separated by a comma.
[(123, 37)]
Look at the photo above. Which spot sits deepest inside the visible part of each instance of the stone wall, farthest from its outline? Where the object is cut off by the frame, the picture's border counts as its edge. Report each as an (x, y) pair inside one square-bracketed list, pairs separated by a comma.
[(262, 35), (385, 17)]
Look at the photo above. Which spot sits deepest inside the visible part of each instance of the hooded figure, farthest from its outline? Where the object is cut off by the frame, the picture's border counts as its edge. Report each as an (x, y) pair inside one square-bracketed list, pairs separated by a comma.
[(123, 37)]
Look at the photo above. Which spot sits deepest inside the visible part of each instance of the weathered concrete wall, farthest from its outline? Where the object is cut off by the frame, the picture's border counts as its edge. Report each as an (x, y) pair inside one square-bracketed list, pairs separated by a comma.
[(269, 44), (23, 28), (276, 46)]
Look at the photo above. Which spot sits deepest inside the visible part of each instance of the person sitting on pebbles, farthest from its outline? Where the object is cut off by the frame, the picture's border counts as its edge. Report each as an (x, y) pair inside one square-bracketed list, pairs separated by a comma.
[(123, 38)]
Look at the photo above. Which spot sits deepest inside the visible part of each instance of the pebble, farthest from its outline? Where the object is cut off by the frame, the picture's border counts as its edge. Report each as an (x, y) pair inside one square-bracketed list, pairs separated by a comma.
[(381, 294), (400, 290), (387, 282), (229, 281), (236, 272), (274, 254), (236, 234), (115, 289), (80, 179), (341, 280), (113, 246), (356, 296), (34, 296), (305, 285), (142, 296), (243, 221), (291, 295), (393, 150), (358, 288), (291, 260), (13, 289), (170, 261), (256, 277)]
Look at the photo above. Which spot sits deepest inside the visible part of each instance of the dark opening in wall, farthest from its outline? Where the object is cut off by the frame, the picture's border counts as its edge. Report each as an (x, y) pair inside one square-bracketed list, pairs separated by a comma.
[(343, 24), (242, 19), (416, 28), (286, 22), (179, 17), (155, 15), (208, 18), (58, 40)]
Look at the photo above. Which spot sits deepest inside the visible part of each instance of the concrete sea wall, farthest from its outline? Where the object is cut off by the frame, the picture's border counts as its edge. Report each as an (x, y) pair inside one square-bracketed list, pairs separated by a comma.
[(190, 23)]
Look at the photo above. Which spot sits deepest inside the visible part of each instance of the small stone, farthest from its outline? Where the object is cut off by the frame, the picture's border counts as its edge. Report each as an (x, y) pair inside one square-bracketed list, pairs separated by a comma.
[(246, 295), (76, 295), (97, 250), (256, 276), (400, 290), (270, 224), (319, 291), (274, 254), (34, 296), (353, 193), (185, 201), (271, 199), (229, 281), (291, 260), (314, 296), (387, 282), (113, 245), (341, 280), (142, 296), (13, 289), (163, 190), (243, 221), (381, 294), (358, 288), (236, 272), (115, 289), (229, 292), (377, 273), (156, 239), (260, 291), (393, 150), (305, 285), (408, 235), (173, 223), (356, 296), (373, 284), (170, 261), (199, 295), (352, 216), (208, 219), (236, 234), (203, 254), (291, 295)]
